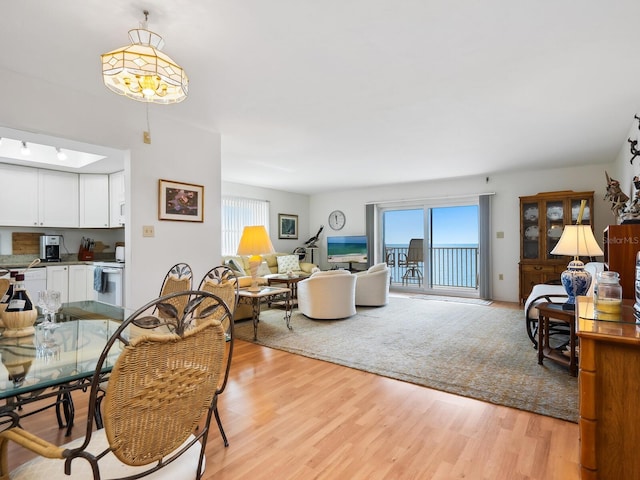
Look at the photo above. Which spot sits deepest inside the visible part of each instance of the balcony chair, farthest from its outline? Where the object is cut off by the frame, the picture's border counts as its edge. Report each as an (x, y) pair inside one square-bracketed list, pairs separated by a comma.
[(372, 286), (412, 262), (328, 295), (162, 394)]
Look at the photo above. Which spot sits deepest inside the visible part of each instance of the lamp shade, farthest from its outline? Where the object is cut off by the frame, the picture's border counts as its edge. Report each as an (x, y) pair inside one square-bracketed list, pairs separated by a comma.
[(142, 72), (255, 241), (577, 241)]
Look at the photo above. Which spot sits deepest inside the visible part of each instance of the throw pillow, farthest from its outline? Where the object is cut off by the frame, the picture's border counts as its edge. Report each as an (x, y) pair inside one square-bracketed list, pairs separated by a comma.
[(288, 263), (264, 269), (235, 266)]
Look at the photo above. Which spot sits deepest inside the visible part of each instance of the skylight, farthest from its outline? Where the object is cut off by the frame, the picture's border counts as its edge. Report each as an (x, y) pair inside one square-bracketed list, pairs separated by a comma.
[(45, 154)]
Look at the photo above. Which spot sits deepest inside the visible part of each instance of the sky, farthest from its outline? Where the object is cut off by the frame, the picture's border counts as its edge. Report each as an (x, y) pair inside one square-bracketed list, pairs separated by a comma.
[(451, 225)]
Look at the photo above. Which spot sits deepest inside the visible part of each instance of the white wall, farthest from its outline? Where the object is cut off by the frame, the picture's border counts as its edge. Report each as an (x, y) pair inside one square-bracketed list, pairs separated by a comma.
[(279, 202), (178, 152), (508, 187)]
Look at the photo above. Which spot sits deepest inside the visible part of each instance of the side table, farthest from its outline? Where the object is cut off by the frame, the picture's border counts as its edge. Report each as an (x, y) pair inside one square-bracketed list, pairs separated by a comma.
[(547, 311), (289, 282)]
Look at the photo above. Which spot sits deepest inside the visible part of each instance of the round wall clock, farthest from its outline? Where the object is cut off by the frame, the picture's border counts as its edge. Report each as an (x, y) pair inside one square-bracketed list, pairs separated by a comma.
[(337, 219)]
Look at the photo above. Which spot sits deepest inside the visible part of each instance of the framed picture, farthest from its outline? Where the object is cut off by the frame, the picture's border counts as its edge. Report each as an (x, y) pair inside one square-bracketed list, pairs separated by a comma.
[(287, 226), (180, 201)]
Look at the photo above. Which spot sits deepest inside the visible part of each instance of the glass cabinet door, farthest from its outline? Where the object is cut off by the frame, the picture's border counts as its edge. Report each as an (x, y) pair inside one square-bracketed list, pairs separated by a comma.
[(531, 231), (554, 226), (575, 210)]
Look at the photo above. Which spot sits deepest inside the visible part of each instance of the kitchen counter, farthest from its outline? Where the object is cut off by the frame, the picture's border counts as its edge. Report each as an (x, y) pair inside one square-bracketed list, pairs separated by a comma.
[(23, 261)]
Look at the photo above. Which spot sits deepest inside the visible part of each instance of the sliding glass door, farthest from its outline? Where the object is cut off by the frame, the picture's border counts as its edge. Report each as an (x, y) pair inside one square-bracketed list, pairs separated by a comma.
[(432, 248)]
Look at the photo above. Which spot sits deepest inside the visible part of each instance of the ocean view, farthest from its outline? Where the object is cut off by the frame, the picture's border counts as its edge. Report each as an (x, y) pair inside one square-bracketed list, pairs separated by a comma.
[(454, 265)]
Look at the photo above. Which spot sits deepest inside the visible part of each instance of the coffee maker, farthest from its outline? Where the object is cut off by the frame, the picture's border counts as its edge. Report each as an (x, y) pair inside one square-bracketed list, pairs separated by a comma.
[(50, 248)]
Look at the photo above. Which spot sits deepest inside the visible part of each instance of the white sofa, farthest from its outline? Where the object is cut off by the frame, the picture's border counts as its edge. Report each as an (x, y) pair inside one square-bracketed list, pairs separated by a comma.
[(328, 295), (551, 293), (372, 286)]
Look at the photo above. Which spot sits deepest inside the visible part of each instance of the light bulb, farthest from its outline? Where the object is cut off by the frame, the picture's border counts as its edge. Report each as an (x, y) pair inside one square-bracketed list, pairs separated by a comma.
[(25, 150), (61, 155)]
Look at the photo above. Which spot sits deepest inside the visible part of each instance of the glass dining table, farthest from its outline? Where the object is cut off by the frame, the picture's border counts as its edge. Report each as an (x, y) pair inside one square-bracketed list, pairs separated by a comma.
[(57, 360)]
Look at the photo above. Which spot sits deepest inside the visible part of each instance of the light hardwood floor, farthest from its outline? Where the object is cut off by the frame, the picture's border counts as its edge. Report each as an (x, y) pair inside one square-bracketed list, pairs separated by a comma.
[(291, 417)]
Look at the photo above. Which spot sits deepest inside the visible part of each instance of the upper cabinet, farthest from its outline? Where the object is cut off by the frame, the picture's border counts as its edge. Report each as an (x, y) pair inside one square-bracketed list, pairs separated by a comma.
[(50, 198), (38, 197), (57, 199), (542, 220), (94, 200), (116, 199), (19, 196)]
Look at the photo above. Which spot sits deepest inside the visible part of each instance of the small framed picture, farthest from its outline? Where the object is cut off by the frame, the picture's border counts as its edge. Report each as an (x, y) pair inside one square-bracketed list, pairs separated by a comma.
[(287, 226), (180, 201)]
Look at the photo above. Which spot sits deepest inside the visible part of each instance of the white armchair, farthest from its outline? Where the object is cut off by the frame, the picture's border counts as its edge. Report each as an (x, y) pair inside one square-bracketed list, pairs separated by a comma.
[(372, 286), (328, 295)]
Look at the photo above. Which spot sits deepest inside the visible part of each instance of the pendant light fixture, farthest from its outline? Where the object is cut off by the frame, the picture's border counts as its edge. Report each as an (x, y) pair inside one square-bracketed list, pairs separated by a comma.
[(142, 72)]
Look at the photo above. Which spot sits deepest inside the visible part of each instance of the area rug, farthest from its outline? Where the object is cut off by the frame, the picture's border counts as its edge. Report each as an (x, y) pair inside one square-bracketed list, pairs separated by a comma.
[(474, 351), (444, 298)]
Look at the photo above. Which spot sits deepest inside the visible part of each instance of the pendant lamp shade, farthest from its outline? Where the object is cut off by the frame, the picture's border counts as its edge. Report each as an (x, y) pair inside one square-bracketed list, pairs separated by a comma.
[(142, 72)]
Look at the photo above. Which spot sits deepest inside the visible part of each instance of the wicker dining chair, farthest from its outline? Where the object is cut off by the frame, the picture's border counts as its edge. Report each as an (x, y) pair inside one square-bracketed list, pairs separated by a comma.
[(222, 282), (178, 279), (162, 394)]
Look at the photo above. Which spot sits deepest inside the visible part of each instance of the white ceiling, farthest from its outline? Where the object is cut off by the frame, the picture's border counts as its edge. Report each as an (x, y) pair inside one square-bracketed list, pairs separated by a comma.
[(311, 96)]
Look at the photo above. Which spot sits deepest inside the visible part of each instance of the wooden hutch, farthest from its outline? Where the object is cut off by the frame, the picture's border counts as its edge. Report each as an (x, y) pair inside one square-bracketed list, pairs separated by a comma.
[(621, 244), (542, 220)]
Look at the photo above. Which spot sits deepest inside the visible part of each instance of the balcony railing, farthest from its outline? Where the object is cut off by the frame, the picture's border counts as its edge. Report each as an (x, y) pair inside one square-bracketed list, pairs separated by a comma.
[(449, 267)]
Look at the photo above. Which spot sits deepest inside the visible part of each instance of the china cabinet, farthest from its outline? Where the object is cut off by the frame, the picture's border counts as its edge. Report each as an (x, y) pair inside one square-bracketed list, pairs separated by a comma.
[(542, 220)]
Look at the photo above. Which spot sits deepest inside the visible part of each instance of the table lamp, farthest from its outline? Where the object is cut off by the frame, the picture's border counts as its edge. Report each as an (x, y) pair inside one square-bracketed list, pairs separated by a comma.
[(577, 241), (254, 242)]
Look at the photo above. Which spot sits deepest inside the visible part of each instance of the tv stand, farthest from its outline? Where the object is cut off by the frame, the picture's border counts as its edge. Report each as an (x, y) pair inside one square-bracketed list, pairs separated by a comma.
[(350, 268)]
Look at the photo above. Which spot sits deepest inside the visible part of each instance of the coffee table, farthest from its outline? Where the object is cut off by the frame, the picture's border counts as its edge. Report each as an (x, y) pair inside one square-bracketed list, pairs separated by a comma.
[(268, 294)]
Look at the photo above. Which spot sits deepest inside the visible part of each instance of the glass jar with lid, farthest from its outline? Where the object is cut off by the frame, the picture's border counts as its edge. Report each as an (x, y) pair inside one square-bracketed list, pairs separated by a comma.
[(607, 296)]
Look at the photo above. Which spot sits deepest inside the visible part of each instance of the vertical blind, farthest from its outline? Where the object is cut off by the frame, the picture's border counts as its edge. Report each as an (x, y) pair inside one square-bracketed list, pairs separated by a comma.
[(238, 213)]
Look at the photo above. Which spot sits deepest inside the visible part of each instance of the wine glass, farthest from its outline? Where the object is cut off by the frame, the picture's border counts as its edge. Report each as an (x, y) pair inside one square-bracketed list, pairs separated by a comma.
[(54, 303), (42, 303)]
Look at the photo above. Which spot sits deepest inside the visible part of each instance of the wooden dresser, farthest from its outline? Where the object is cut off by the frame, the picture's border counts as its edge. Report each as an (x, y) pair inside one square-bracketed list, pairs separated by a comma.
[(609, 383)]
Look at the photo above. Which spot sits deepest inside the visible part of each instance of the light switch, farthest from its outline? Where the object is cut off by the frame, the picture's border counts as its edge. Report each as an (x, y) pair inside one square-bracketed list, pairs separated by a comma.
[(499, 234), (148, 231)]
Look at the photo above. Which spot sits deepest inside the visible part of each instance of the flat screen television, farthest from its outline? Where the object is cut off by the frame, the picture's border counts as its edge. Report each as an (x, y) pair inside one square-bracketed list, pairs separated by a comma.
[(347, 249)]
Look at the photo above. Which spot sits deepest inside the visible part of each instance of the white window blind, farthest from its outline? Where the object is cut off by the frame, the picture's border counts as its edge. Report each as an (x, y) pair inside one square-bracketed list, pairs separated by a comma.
[(238, 213)]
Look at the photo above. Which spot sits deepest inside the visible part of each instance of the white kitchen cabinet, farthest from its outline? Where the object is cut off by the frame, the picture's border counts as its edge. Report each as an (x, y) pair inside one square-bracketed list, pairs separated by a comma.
[(81, 283), (19, 195), (94, 200), (116, 199), (58, 199), (58, 279)]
